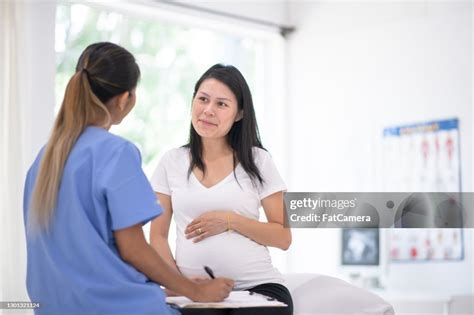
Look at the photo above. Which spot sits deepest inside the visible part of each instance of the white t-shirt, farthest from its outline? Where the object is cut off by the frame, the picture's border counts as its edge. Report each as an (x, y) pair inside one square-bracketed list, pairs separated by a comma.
[(229, 254)]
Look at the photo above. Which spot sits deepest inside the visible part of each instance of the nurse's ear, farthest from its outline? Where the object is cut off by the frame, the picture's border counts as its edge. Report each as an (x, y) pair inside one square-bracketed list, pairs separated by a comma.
[(120, 105), (123, 100), (118, 102)]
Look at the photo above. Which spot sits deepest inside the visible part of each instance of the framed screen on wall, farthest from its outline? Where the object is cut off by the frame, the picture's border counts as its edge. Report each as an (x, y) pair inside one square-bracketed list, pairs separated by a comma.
[(360, 247)]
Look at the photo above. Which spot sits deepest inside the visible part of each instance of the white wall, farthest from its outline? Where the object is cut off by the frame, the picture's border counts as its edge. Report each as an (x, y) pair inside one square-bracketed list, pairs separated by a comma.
[(353, 69), (26, 117)]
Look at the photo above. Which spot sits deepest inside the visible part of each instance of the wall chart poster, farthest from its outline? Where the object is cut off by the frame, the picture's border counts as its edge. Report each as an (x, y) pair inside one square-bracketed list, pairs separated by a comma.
[(423, 157)]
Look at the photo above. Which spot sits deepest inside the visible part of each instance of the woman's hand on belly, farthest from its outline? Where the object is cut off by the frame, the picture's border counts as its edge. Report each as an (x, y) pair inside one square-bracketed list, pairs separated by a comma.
[(208, 224)]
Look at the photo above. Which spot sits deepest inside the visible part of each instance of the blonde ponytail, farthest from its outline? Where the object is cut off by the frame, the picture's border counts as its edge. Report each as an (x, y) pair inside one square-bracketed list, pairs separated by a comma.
[(75, 115)]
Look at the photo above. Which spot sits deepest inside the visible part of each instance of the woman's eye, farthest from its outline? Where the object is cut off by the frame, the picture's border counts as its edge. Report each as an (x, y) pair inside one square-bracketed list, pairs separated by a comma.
[(203, 99), (222, 104)]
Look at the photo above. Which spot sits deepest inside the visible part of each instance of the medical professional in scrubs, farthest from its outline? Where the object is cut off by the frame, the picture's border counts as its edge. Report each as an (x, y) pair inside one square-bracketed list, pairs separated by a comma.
[(86, 199)]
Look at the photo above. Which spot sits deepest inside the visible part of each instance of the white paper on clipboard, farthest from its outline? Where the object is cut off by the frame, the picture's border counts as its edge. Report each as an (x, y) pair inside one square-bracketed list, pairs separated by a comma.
[(236, 299)]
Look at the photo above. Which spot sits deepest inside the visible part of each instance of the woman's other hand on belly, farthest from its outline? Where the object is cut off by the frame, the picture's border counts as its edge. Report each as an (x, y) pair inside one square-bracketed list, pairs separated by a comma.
[(208, 224)]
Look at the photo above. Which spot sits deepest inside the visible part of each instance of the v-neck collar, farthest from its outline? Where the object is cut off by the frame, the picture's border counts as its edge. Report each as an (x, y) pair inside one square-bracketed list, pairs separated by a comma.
[(223, 180)]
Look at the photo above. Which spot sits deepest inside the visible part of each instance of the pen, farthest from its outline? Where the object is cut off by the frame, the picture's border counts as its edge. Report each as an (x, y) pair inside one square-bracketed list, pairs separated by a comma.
[(209, 272)]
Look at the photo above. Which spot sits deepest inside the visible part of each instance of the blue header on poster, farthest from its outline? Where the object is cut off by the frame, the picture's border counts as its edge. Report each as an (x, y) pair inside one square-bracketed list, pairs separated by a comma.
[(426, 127)]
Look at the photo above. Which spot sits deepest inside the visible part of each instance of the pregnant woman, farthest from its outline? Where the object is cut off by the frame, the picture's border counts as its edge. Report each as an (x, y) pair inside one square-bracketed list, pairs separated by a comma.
[(215, 186)]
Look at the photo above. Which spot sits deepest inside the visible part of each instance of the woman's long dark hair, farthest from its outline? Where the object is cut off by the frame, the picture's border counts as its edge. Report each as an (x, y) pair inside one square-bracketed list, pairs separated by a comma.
[(243, 135)]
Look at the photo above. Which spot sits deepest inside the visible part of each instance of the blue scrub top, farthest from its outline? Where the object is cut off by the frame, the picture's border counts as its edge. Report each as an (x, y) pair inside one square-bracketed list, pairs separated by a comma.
[(76, 267)]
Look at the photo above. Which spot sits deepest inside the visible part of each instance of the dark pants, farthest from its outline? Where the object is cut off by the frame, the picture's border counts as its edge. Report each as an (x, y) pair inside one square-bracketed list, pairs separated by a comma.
[(274, 290)]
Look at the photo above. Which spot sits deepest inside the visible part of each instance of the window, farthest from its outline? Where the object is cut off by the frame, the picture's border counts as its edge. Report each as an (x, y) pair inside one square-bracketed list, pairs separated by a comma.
[(171, 58)]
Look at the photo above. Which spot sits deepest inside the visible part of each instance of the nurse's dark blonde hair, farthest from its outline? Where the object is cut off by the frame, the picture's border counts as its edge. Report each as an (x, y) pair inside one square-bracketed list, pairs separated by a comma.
[(104, 70)]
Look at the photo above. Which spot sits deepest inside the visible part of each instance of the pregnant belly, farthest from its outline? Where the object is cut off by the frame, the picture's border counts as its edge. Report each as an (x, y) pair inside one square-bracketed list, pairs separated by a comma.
[(227, 254)]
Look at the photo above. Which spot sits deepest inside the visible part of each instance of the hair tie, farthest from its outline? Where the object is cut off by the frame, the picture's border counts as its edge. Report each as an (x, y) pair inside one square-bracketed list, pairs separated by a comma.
[(85, 71)]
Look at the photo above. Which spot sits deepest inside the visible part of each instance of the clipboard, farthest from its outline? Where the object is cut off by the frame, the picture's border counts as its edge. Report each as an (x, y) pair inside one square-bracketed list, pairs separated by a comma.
[(236, 299)]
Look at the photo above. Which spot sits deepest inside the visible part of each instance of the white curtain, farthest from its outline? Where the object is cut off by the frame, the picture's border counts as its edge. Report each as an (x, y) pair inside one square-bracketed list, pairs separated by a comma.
[(27, 68)]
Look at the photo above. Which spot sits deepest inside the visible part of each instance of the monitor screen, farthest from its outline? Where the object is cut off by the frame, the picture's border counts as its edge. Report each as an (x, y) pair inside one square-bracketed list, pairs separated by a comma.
[(360, 246)]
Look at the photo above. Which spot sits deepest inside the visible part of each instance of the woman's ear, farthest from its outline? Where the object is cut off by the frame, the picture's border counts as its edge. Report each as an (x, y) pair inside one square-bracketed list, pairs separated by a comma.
[(239, 116)]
